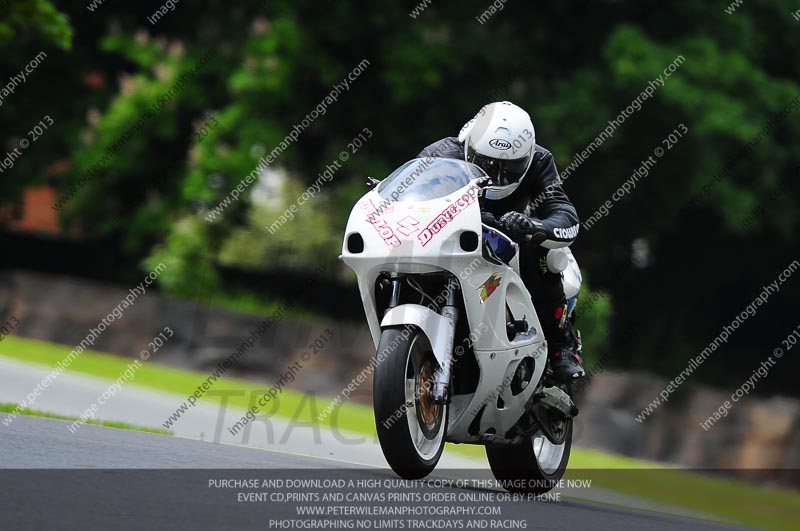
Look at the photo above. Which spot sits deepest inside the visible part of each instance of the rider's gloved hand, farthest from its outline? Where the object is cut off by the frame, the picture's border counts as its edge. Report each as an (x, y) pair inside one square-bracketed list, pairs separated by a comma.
[(487, 218), (518, 226)]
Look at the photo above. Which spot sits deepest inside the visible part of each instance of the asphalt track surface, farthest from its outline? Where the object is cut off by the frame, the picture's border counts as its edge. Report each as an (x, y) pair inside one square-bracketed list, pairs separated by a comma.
[(109, 479), (71, 393)]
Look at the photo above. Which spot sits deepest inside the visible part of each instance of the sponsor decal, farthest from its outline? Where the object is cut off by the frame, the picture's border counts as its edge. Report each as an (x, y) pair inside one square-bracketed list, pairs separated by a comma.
[(489, 286), (499, 143), (567, 234), (446, 216), (379, 224), (407, 226)]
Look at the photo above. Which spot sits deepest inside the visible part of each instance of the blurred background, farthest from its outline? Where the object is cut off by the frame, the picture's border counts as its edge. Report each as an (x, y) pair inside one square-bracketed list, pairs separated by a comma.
[(117, 178)]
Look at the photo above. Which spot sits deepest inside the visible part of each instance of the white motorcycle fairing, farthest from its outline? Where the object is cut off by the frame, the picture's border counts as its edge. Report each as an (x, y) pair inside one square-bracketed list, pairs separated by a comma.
[(411, 237)]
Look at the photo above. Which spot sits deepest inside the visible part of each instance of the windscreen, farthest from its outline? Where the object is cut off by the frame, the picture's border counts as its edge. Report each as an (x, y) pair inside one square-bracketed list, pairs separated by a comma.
[(425, 179)]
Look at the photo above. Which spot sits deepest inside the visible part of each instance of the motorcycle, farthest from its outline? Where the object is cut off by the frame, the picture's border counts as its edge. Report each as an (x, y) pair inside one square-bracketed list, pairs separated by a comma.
[(461, 356)]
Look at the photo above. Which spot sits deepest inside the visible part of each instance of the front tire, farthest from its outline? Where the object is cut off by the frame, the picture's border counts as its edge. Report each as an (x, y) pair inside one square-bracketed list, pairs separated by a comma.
[(411, 428), (533, 467)]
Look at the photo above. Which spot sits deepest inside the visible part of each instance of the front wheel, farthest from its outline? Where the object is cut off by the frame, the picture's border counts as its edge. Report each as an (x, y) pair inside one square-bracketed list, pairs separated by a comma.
[(536, 465), (411, 427)]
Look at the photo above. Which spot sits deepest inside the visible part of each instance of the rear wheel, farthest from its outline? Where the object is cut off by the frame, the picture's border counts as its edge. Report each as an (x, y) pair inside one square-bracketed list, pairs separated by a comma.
[(536, 465), (411, 427)]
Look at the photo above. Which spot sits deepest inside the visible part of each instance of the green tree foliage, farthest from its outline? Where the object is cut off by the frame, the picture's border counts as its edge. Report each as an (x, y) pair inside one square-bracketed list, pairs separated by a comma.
[(21, 22), (189, 269), (30, 31), (575, 65), (305, 239), (148, 120)]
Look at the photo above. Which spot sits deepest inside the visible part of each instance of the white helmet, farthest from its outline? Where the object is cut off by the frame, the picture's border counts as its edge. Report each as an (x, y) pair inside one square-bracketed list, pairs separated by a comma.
[(501, 140)]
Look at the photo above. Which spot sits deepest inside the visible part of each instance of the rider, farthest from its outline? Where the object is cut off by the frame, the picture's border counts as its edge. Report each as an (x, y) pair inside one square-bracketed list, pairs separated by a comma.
[(524, 197)]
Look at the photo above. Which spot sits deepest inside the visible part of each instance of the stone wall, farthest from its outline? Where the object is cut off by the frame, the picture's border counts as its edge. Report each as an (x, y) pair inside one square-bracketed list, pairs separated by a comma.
[(64, 309), (758, 434)]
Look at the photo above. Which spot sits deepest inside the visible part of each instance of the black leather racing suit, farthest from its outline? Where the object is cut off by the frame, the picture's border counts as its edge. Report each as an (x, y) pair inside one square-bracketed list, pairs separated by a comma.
[(541, 196)]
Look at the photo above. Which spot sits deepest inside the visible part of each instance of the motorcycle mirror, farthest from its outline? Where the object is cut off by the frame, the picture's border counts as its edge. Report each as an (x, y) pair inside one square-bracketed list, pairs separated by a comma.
[(372, 181)]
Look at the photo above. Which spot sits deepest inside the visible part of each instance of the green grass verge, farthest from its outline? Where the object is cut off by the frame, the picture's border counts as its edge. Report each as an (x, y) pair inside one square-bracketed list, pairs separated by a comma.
[(744, 503), (290, 403), (12, 408), (734, 501)]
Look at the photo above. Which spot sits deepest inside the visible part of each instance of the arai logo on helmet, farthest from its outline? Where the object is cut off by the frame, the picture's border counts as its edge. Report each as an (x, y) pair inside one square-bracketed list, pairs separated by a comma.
[(499, 143)]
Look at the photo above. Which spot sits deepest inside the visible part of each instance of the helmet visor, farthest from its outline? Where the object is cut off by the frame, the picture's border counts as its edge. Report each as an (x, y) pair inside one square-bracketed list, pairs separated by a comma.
[(502, 171)]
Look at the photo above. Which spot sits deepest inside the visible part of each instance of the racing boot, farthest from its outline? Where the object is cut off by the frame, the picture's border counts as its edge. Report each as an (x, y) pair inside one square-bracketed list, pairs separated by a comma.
[(565, 354)]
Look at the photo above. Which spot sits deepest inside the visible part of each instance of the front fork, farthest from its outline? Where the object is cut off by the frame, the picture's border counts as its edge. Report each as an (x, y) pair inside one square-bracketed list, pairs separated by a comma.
[(450, 312)]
